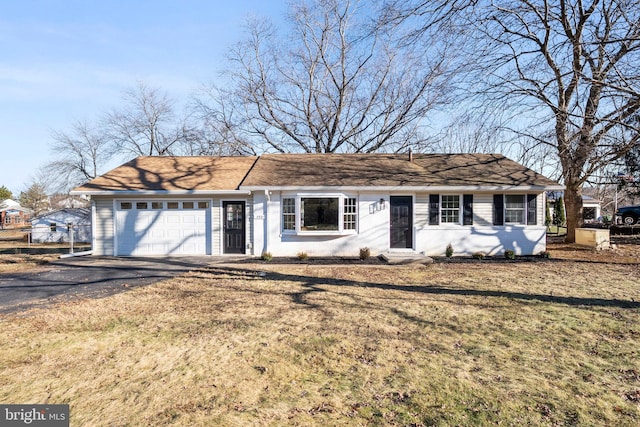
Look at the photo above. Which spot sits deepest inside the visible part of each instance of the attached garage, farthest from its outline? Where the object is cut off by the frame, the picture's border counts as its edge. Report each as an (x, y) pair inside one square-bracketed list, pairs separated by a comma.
[(171, 206), (163, 227)]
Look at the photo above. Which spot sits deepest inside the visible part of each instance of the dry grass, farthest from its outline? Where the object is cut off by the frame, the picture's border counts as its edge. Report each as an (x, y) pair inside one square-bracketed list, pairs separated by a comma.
[(541, 343), (15, 263)]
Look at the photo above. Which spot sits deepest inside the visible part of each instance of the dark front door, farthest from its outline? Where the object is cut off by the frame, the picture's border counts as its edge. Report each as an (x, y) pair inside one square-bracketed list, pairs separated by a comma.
[(234, 231), (401, 221)]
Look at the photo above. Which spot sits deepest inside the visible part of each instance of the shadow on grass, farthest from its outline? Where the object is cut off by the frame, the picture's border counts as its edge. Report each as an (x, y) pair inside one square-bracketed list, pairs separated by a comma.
[(313, 285)]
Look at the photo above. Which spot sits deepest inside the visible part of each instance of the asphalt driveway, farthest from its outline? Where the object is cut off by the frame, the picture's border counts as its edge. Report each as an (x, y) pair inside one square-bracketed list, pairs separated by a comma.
[(90, 276)]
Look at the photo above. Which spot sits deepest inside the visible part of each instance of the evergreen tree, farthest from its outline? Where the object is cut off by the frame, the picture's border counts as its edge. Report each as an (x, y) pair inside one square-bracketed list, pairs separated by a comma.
[(35, 198), (559, 217), (5, 193)]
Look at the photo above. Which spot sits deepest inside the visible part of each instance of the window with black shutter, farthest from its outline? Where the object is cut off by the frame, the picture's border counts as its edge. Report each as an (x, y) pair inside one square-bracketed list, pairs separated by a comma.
[(498, 209), (467, 209), (434, 209), (532, 210)]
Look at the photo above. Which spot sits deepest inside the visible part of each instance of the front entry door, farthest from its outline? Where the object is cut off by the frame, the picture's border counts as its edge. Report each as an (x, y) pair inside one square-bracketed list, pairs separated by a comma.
[(401, 222), (234, 228)]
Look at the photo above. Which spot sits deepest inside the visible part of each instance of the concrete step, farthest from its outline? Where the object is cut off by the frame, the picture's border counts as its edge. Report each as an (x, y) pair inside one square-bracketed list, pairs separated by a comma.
[(406, 258)]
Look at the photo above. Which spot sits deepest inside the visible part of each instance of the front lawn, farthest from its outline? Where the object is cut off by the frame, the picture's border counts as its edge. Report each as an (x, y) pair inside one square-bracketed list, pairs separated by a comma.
[(524, 343)]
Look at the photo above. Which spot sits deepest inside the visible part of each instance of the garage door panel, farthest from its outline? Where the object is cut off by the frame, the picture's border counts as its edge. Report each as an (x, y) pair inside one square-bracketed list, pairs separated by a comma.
[(173, 219), (162, 232), (189, 219), (173, 234), (157, 234)]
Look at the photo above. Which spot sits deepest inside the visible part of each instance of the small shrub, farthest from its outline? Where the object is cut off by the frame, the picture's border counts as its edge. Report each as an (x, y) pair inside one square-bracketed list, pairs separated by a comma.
[(266, 256), (449, 251), (545, 254), (302, 256), (509, 254), (364, 253), (479, 255)]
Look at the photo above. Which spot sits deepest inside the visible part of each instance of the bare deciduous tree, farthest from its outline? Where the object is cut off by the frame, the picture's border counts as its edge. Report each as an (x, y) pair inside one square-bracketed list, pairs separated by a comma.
[(79, 154), (146, 125), (568, 66), (218, 125), (335, 84)]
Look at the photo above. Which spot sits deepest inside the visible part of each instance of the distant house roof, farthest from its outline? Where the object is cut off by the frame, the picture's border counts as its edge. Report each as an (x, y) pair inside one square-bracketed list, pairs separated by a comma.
[(192, 174), (392, 170), (81, 213), (11, 205), (175, 174)]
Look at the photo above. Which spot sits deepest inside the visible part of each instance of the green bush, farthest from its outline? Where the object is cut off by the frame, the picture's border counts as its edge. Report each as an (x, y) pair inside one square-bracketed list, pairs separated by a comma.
[(479, 255), (364, 253), (545, 254), (509, 254), (266, 256), (449, 251), (302, 256)]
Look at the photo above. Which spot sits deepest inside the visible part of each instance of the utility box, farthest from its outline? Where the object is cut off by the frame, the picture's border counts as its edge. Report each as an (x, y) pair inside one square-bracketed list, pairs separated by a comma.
[(597, 238)]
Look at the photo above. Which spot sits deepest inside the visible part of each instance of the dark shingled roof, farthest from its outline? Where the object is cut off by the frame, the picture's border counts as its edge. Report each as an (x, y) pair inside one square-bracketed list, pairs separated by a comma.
[(173, 173), (206, 173), (391, 170)]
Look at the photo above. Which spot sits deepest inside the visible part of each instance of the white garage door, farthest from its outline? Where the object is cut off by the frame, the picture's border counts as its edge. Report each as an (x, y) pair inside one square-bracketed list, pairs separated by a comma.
[(163, 227)]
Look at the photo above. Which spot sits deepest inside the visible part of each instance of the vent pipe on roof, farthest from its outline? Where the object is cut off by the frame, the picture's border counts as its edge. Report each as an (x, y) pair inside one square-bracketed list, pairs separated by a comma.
[(410, 154)]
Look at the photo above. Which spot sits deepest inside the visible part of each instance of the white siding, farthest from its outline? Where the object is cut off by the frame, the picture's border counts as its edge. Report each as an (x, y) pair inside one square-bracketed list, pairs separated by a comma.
[(421, 211), (483, 236), (483, 209), (104, 228), (264, 228), (373, 231), (216, 227), (540, 200)]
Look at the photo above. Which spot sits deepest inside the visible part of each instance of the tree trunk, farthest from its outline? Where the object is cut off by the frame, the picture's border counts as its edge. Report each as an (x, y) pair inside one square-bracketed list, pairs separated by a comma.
[(573, 210)]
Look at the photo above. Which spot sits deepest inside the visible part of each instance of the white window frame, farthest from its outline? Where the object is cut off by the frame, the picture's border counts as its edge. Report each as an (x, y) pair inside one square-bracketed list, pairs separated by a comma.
[(352, 215), (298, 214), (288, 214), (196, 204), (524, 209), (442, 209)]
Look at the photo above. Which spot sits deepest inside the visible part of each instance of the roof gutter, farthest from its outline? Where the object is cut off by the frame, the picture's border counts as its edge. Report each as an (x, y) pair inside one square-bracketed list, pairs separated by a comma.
[(412, 188), (159, 192)]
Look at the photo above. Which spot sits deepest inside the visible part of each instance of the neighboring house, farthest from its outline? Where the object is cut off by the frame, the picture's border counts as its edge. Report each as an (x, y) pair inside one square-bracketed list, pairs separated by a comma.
[(321, 204), (591, 208), (54, 226), (12, 215), (64, 201)]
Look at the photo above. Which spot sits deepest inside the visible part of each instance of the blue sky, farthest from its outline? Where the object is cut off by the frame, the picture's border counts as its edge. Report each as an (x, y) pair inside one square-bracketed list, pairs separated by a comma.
[(61, 61)]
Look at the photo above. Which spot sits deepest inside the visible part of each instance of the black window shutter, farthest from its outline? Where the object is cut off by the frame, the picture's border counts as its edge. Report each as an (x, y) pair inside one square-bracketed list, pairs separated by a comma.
[(531, 210), (467, 209), (498, 209), (434, 209)]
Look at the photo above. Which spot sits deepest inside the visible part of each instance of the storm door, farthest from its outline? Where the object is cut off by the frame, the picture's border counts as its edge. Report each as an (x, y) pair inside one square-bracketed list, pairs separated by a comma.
[(401, 222), (234, 227)]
